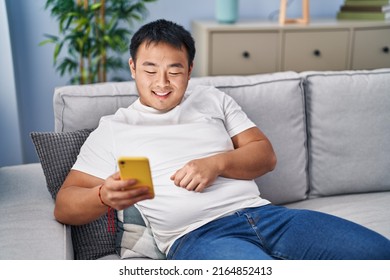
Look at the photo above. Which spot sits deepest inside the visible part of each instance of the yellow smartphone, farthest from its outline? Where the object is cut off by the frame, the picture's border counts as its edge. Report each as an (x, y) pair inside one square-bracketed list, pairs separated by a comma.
[(136, 168)]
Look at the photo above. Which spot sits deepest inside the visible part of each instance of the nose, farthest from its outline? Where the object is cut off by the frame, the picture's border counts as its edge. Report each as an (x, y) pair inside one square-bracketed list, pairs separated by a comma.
[(162, 79)]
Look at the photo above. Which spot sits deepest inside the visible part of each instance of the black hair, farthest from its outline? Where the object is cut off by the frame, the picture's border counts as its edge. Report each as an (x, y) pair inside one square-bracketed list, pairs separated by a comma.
[(163, 31)]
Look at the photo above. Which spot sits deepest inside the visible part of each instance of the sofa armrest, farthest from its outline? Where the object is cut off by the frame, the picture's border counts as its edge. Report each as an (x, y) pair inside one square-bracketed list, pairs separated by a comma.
[(28, 229)]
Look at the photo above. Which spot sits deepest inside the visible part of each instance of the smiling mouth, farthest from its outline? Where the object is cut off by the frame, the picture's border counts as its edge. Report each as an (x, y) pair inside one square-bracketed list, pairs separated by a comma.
[(162, 94)]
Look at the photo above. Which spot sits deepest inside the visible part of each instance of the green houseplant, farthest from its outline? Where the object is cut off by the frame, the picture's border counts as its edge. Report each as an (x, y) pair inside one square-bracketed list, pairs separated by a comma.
[(94, 33)]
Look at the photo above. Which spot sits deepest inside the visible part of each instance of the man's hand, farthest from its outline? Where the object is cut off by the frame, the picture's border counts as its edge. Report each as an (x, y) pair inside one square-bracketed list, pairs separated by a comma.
[(78, 200), (197, 174), (120, 194)]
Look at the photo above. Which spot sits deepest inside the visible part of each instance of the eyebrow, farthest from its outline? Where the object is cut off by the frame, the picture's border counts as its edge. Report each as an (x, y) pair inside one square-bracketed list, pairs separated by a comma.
[(177, 65)]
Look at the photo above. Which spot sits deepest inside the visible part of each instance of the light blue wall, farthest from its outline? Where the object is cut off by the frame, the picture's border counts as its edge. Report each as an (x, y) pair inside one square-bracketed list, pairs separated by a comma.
[(34, 73), (10, 146), (184, 11), (36, 77)]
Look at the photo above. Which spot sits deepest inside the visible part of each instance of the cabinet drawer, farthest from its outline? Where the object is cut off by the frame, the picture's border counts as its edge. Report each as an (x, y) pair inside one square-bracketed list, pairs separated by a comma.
[(371, 49), (243, 53), (319, 50)]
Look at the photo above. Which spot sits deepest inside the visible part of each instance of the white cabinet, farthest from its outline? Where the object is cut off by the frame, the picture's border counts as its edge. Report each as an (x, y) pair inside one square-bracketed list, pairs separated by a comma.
[(371, 48), (243, 52), (315, 50), (262, 47)]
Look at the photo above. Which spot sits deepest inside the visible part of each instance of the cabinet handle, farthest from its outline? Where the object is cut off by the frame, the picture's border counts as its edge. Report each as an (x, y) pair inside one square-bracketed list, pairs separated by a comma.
[(317, 53), (246, 54), (385, 49)]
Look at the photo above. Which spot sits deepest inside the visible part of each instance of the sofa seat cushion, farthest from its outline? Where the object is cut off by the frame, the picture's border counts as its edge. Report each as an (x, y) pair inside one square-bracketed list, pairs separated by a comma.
[(26, 218), (348, 114), (370, 209)]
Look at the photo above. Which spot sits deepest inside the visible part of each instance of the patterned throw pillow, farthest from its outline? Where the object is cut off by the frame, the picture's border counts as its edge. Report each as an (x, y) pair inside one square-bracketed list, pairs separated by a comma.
[(57, 152), (134, 238)]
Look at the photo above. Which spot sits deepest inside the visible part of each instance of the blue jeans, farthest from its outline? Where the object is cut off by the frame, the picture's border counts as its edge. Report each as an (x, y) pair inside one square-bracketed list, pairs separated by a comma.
[(275, 232)]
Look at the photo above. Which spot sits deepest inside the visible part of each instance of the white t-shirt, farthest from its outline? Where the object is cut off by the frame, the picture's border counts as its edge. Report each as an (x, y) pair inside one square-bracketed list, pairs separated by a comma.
[(201, 125)]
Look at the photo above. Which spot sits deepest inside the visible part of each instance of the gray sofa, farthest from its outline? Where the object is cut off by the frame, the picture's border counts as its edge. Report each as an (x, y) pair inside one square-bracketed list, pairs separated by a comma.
[(330, 131)]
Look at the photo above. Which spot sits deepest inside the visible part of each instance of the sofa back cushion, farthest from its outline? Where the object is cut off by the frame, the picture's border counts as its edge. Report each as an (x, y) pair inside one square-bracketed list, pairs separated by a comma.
[(273, 101), (81, 106), (349, 131)]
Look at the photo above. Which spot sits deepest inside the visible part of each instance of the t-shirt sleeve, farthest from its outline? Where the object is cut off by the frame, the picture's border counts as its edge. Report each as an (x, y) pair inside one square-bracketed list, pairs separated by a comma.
[(96, 155), (236, 120)]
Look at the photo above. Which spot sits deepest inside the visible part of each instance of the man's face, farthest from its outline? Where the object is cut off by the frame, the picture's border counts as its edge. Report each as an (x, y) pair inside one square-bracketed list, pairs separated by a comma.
[(161, 73)]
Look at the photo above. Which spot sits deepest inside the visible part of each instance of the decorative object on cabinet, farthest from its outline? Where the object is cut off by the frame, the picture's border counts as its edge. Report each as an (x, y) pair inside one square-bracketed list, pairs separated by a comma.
[(364, 10), (226, 11), (283, 13)]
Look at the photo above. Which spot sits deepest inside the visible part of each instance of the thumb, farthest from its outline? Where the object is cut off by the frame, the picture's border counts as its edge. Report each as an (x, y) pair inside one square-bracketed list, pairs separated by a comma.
[(116, 176)]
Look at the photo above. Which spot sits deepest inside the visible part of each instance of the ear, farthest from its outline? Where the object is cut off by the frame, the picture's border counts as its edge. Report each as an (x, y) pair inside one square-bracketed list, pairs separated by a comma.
[(132, 67), (190, 70)]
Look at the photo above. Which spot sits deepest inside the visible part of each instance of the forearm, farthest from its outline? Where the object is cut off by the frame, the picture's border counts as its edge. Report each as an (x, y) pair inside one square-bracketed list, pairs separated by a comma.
[(78, 205), (84, 198), (253, 156), (247, 162)]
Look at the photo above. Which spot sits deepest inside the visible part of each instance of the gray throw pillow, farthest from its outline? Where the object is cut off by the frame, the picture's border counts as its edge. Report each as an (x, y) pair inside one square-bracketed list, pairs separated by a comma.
[(57, 152)]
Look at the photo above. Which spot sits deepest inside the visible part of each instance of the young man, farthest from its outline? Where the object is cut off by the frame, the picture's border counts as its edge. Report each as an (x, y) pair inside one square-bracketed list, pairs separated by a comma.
[(204, 154)]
